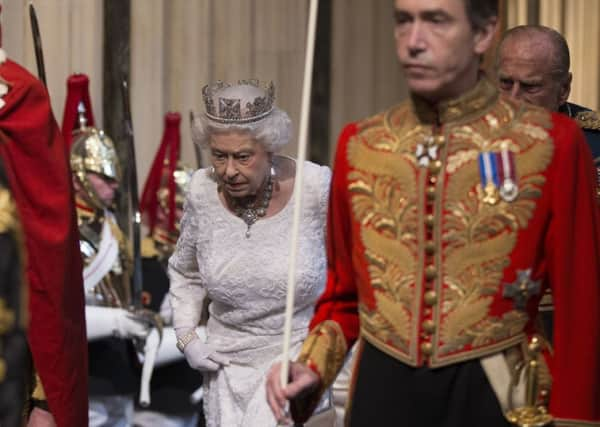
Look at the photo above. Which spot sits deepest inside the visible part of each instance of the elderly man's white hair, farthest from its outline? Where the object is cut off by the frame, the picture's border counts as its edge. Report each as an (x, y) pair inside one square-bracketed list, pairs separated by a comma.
[(270, 127)]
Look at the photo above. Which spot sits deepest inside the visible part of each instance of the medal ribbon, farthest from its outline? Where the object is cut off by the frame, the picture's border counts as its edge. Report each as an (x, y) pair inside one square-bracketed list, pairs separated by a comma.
[(488, 169)]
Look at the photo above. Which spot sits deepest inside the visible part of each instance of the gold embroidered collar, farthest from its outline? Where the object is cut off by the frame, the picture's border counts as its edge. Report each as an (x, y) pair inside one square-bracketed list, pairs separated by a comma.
[(470, 105)]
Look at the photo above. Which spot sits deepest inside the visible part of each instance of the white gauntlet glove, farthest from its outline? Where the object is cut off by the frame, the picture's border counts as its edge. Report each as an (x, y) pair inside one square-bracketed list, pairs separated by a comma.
[(102, 322), (130, 326), (201, 356)]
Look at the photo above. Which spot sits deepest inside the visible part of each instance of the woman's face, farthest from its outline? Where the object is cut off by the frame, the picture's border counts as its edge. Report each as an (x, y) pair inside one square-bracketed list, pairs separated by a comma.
[(241, 163)]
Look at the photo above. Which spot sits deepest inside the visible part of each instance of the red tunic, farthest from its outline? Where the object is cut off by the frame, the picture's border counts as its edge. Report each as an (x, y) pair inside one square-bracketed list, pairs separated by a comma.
[(432, 267), (34, 155)]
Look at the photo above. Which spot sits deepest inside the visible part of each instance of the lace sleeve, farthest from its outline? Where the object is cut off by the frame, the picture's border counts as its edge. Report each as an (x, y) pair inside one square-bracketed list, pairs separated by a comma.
[(324, 185), (186, 291)]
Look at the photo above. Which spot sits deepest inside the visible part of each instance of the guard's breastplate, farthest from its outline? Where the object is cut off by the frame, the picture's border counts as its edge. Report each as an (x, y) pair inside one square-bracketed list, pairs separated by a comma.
[(113, 290)]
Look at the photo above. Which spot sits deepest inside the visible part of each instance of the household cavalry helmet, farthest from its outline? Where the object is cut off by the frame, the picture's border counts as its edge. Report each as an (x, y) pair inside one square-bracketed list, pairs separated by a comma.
[(93, 151)]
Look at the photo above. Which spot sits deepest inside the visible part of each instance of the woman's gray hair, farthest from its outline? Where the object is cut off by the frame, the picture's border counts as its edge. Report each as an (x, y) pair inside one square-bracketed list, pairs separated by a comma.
[(245, 107), (273, 132)]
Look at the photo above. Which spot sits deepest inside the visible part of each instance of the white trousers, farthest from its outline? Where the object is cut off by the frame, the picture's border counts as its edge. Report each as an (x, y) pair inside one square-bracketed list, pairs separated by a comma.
[(157, 419), (111, 411)]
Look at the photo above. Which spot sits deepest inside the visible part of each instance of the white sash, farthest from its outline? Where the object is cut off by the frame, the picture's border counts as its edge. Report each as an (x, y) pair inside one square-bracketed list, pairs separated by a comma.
[(104, 259)]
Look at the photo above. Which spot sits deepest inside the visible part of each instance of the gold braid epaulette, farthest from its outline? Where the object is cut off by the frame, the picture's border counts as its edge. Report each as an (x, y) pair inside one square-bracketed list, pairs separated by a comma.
[(8, 218), (588, 120)]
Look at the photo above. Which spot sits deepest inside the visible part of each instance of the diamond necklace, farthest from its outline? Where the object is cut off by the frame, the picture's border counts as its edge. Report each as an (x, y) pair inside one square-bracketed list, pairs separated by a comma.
[(255, 210)]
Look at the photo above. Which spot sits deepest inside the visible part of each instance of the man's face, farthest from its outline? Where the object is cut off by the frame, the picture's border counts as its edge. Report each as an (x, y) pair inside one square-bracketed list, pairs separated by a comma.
[(526, 72), (437, 47), (104, 187)]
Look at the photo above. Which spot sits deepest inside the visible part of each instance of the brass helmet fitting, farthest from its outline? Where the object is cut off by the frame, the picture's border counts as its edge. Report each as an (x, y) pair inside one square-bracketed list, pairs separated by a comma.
[(165, 239), (93, 151)]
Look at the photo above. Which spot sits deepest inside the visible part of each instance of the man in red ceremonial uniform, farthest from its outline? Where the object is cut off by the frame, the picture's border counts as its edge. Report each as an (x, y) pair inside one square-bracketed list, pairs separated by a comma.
[(36, 164), (449, 216)]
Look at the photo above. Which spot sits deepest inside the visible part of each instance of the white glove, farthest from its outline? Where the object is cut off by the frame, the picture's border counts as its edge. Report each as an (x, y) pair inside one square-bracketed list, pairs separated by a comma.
[(165, 311), (102, 322), (202, 356), (168, 351)]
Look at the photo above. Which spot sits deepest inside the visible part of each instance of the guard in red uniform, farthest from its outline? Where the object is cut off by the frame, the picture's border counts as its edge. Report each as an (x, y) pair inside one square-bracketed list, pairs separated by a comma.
[(36, 164), (449, 216)]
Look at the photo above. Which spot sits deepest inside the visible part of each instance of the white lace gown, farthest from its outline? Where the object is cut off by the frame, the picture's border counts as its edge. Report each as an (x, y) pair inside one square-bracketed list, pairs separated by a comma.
[(245, 279)]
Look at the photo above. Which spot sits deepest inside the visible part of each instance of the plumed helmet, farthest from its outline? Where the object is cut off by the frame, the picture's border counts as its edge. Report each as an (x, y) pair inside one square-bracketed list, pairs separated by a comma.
[(93, 151), (182, 175), (164, 236), (162, 174), (78, 92)]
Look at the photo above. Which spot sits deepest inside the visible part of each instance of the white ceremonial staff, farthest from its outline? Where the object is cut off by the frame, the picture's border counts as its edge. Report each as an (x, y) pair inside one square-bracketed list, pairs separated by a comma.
[(302, 144)]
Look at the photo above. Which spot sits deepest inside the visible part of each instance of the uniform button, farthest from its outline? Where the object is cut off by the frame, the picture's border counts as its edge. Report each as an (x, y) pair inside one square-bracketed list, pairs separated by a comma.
[(431, 192), (430, 248), (440, 140), (426, 348), (430, 272), (435, 167), (429, 220), (430, 298), (428, 326)]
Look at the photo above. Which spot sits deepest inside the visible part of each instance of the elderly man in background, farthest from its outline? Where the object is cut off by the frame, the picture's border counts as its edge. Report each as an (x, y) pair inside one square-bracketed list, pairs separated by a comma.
[(533, 63)]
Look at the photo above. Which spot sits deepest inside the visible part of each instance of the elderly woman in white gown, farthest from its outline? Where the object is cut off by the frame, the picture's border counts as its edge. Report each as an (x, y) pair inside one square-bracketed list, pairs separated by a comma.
[(234, 251)]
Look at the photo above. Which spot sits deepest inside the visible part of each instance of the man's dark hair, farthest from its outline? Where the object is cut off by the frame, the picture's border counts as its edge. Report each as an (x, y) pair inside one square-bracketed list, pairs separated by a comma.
[(480, 12)]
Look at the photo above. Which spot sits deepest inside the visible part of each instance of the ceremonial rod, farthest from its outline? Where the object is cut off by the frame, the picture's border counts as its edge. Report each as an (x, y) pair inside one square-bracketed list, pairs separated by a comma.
[(302, 144)]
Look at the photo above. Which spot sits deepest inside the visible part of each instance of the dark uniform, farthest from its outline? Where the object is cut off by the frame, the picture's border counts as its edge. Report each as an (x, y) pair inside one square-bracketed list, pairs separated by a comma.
[(14, 355), (589, 121)]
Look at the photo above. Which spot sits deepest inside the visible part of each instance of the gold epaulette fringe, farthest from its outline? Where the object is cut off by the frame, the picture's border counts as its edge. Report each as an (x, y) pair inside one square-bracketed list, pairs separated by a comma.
[(588, 120)]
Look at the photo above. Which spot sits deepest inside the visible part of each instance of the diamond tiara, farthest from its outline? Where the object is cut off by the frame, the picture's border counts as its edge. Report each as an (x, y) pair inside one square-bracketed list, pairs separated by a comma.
[(245, 102)]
